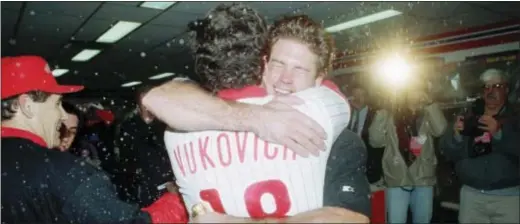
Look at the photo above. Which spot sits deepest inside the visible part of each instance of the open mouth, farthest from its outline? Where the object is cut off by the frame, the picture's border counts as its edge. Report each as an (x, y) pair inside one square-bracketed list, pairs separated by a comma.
[(282, 91)]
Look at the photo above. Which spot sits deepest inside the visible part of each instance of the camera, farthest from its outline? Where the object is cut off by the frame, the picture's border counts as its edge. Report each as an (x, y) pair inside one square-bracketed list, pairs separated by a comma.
[(471, 126), (472, 130)]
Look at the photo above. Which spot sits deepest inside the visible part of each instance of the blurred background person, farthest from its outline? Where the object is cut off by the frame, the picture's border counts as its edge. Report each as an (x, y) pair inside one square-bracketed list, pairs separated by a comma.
[(70, 126), (484, 144), (362, 117), (409, 159), (72, 136)]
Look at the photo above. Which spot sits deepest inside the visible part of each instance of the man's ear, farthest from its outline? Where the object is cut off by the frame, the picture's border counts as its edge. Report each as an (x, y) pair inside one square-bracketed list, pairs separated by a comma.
[(26, 105), (265, 60), (319, 78)]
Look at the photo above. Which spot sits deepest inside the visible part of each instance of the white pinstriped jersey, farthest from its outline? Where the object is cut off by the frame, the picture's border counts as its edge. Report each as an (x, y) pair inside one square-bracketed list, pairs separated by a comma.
[(241, 175)]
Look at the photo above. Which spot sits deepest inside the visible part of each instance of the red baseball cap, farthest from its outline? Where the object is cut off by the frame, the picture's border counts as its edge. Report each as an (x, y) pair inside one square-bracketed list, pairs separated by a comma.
[(23, 74)]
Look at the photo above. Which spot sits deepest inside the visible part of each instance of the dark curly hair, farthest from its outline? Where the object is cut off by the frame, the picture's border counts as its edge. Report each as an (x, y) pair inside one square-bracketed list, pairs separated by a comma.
[(302, 28), (227, 45)]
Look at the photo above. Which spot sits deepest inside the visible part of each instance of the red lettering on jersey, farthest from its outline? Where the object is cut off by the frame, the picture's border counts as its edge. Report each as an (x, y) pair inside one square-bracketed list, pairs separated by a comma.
[(194, 169), (252, 199), (285, 151), (224, 137), (277, 189), (241, 147), (213, 198), (255, 153), (177, 154), (203, 151), (266, 151)]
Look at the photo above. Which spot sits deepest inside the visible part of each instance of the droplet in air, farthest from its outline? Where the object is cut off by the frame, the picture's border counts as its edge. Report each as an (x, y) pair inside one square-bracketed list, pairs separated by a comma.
[(96, 74), (143, 54), (12, 41), (168, 44), (32, 13), (181, 41), (186, 67)]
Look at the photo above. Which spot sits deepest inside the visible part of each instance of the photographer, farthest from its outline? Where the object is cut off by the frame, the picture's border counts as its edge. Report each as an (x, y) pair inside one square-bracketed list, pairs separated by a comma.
[(409, 160), (483, 143)]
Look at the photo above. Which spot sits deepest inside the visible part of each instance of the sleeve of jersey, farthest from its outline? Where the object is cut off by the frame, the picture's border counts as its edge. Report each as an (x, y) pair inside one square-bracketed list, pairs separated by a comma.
[(346, 185), (327, 107)]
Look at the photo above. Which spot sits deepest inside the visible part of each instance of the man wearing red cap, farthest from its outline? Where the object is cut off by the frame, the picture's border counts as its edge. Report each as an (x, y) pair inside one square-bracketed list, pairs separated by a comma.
[(42, 185)]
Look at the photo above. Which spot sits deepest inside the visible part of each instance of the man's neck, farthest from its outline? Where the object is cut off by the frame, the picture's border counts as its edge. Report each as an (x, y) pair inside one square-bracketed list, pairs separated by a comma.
[(16, 124), (25, 126), (12, 123)]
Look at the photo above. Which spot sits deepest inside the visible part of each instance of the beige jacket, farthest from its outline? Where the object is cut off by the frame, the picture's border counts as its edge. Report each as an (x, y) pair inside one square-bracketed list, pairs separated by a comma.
[(396, 173)]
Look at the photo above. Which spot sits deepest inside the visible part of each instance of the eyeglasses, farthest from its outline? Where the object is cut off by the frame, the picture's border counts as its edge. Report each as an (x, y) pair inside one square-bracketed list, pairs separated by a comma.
[(494, 86)]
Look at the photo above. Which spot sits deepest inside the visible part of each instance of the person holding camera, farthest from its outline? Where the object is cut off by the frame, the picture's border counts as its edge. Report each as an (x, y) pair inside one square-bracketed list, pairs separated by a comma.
[(484, 144), (409, 159)]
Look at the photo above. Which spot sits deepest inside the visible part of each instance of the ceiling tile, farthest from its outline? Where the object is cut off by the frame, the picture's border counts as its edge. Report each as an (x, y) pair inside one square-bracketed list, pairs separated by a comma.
[(44, 47), (76, 9), (125, 3), (60, 27), (13, 6), (173, 18), (149, 36), (123, 12), (9, 19)]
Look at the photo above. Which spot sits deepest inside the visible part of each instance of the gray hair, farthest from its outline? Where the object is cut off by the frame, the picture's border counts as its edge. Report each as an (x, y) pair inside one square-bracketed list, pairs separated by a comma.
[(492, 73)]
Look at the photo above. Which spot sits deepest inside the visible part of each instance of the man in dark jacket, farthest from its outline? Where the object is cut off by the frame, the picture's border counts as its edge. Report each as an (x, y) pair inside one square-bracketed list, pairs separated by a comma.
[(143, 156), (484, 144), (40, 185), (362, 117)]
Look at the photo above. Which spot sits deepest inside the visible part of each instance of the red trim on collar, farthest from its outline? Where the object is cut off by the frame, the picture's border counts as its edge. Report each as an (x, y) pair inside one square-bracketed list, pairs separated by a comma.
[(246, 92), (19, 133), (256, 91), (331, 85)]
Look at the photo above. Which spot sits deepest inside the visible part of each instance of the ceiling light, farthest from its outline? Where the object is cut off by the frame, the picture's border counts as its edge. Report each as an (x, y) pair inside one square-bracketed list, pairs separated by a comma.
[(157, 5), (86, 55), (128, 84), (363, 20), (118, 31), (59, 72), (162, 75)]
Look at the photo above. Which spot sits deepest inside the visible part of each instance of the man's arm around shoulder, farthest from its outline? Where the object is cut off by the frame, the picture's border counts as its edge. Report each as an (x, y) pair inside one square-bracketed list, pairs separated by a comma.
[(185, 106)]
